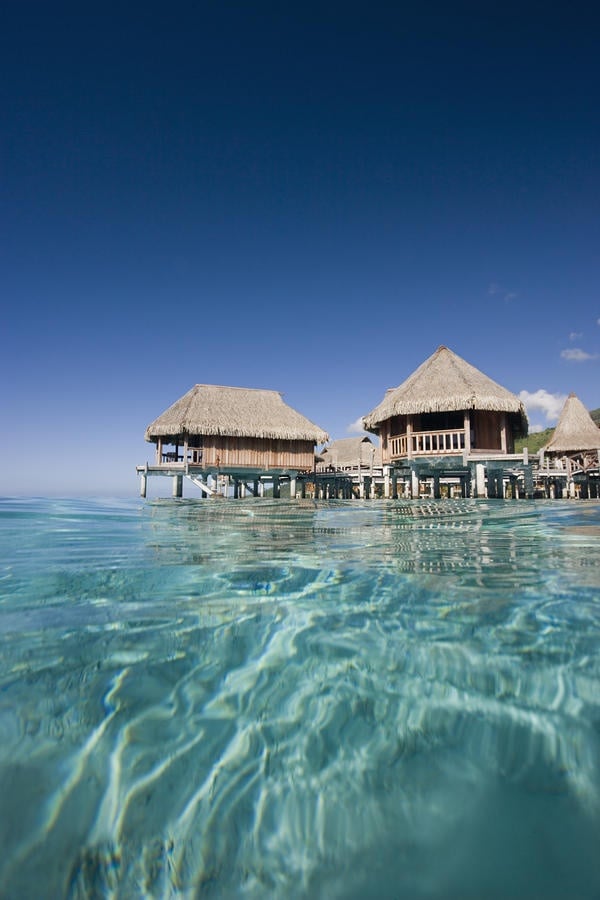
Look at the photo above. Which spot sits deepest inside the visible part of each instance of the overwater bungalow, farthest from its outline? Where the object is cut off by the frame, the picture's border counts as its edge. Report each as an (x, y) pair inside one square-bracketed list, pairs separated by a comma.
[(442, 422), (245, 436), (569, 461), (349, 454), (349, 467)]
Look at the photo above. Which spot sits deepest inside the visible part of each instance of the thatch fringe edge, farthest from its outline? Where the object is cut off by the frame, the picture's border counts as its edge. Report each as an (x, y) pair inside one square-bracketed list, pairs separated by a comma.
[(441, 404), (315, 437)]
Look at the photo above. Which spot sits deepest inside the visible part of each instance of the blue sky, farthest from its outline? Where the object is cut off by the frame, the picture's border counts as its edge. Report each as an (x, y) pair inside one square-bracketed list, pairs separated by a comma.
[(304, 197)]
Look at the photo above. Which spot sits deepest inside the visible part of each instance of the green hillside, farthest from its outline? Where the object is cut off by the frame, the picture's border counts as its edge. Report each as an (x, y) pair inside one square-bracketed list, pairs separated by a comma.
[(535, 441)]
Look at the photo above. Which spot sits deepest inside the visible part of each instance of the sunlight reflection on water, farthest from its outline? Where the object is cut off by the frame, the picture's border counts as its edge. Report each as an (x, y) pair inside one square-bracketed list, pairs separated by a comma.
[(264, 698)]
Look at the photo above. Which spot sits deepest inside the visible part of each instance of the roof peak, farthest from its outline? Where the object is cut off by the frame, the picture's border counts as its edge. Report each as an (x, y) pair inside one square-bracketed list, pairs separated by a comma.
[(230, 387), (445, 385)]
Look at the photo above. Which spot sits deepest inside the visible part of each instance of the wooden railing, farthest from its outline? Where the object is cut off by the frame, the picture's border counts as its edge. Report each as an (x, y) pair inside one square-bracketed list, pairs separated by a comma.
[(428, 443)]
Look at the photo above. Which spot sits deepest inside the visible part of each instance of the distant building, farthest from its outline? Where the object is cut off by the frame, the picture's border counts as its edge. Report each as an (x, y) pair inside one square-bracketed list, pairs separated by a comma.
[(349, 467), (569, 461), (576, 438), (349, 454)]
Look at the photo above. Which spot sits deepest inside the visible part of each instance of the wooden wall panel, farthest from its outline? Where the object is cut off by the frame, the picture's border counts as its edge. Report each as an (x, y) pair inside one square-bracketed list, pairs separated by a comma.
[(257, 453)]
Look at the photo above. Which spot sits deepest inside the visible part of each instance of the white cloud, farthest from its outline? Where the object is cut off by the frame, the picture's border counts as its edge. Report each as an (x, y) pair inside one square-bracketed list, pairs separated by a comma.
[(575, 354), (575, 335), (356, 427), (533, 429), (549, 404), (495, 289)]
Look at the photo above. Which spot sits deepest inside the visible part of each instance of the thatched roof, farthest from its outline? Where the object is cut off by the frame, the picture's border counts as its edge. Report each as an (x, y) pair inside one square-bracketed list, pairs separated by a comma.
[(237, 412), (347, 452), (576, 430), (445, 383)]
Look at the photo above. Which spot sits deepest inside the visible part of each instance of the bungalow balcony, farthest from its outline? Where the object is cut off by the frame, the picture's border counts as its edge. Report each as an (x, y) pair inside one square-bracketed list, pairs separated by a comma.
[(428, 443)]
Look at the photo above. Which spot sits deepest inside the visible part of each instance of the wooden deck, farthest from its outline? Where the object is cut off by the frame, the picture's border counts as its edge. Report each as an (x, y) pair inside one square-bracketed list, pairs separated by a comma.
[(236, 481), (426, 475)]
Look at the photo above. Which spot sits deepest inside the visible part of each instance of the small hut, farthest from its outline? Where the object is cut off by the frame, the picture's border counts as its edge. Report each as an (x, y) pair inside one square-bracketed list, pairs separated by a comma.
[(230, 431), (349, 454), (576, 437), (446, 408)]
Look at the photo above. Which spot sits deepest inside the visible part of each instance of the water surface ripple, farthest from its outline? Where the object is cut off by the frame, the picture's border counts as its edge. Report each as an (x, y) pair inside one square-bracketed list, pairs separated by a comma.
[(299, 699)]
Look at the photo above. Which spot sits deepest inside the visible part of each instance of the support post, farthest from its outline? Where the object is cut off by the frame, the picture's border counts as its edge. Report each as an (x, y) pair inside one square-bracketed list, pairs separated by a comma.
[(467, 428), (143, 485), (503, 435), (276, 491), (178, 485), (528, 478), (292, 488), (480, 480), (414, 484)]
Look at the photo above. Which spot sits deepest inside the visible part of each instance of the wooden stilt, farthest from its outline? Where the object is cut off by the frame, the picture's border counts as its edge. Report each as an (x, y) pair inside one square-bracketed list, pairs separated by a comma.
[(414, 485), (480, 480)]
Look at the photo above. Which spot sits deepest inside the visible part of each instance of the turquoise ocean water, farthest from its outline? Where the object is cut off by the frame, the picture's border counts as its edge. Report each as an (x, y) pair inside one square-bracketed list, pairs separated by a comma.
[(256, 699)]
